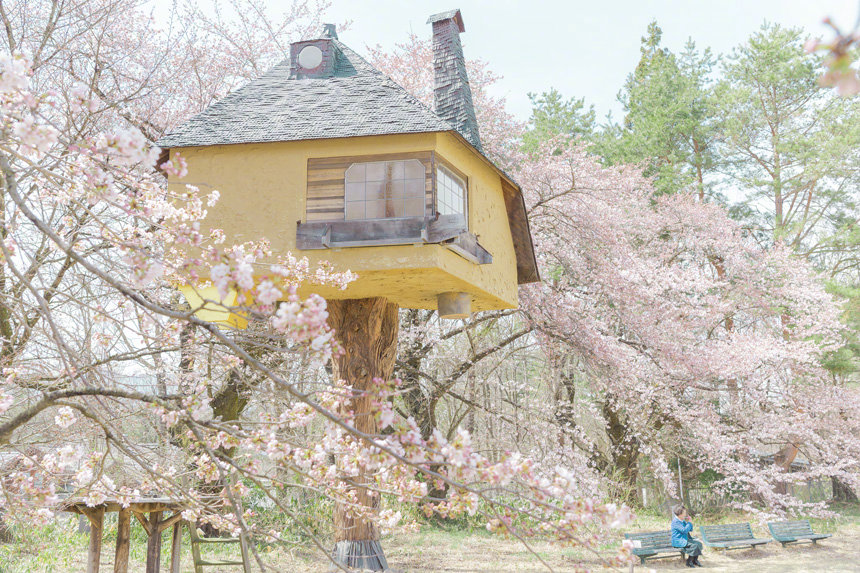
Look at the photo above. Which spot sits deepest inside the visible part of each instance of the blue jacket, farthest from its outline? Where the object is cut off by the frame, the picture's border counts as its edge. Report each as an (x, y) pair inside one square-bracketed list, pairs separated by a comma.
[(680, 532)]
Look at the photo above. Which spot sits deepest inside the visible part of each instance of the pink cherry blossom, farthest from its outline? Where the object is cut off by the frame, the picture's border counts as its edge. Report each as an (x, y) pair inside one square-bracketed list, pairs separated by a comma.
[(65, 417)]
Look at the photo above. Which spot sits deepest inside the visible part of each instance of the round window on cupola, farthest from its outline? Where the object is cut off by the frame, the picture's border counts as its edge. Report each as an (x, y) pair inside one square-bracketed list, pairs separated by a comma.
[(310, 57)]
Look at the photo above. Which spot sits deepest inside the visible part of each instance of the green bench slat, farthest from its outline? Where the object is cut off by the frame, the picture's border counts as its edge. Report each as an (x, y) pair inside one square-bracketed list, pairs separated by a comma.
[(212, 563), (654, 550), (653, 542), (791, 531), (730, 535), (740, 542)]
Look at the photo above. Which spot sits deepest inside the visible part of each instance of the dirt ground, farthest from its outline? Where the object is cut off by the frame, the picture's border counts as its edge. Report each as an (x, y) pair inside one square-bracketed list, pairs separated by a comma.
[(440, 552), (437, 551)]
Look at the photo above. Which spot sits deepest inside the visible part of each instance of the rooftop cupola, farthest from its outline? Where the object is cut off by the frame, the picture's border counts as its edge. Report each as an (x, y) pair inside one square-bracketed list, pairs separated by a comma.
[(452, 97), (314, 59)]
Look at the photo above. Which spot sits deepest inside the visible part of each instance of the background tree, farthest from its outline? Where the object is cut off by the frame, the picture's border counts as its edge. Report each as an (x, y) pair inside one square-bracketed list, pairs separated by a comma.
[(668, 117), (553, 116), (791, 147), (662, 374), (410, 64)]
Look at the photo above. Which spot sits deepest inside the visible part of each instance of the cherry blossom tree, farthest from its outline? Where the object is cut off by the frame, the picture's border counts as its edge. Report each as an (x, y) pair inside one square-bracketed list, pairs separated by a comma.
[(718, 365), (839, 60), (571, 199), (111, 383)]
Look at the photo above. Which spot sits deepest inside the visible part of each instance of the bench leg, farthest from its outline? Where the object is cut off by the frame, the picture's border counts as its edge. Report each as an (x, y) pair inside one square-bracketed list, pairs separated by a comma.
[(642, 560)]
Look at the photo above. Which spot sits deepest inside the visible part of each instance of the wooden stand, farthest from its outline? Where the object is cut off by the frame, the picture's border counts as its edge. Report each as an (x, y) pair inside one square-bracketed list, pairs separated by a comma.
[(367, 330), (154, 525)]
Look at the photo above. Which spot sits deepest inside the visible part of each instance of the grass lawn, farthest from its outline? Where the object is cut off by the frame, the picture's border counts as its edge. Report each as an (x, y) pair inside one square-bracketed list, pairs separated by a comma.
[(59, 549)]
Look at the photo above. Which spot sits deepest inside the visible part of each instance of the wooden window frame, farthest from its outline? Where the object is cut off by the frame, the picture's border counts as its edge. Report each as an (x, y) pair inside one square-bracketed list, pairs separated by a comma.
[(387, 200), (454, 176)]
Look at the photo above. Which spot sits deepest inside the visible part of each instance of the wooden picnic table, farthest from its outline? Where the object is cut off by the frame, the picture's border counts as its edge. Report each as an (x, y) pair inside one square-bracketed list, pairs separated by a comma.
[(149, 512)]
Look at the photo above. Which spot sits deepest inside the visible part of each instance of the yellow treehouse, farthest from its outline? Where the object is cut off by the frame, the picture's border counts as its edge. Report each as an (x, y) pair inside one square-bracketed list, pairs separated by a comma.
[(328, 158)]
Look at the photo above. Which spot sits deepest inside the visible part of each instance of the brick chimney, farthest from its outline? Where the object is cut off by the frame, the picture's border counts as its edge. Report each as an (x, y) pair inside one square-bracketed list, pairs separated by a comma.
[(452, 97)]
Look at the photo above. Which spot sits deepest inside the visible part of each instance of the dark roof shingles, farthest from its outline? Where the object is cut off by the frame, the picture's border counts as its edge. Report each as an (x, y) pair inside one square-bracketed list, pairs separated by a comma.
[(357, 100)]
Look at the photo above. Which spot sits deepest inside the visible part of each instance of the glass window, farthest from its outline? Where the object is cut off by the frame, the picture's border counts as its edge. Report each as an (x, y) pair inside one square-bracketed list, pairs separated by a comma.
[(450, 193), (384, 190)]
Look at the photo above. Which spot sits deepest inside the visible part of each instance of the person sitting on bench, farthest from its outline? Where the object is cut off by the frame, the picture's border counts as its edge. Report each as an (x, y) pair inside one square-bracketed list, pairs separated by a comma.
[(682, 528)]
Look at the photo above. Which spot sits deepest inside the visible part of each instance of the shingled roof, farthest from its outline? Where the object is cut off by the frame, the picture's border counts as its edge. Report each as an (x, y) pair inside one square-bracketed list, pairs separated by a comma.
[(356, 100)]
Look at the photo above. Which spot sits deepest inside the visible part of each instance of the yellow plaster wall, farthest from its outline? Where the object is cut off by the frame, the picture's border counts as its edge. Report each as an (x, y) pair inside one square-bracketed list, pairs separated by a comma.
[(262, 189), (488, 219)]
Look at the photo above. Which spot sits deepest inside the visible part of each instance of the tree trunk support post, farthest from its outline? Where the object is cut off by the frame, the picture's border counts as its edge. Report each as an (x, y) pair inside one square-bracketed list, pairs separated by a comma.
[(153, 544), (176, 547), (123, 537), (96, 517), (367, 331)]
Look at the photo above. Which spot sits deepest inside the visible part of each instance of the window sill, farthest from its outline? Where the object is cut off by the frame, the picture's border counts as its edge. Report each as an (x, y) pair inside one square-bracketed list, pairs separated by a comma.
[(448, 230)]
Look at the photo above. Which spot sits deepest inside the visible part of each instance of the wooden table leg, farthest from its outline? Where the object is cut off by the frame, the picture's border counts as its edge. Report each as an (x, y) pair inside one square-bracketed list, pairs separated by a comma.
[(123, 535), (153, 545), (96, 516), (176, 547)]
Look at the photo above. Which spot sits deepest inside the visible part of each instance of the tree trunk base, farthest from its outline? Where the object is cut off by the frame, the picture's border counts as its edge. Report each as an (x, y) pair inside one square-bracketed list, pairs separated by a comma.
[(5, 532), (360, 555), (366, 329)]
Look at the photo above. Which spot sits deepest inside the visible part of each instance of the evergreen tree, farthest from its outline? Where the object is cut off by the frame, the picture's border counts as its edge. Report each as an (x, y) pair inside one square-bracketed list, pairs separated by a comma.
[(554, 116), (668, 121), (791, 148)]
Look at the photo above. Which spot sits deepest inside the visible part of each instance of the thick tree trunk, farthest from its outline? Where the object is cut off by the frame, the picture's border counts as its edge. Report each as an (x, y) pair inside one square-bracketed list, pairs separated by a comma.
[(783, 460), (625, 454), (227, 405), (842, 491), (367, 331), (5, 533)]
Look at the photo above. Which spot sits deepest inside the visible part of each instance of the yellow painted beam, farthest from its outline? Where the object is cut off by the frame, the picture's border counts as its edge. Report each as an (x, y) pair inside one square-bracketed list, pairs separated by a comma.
[(207, 304)]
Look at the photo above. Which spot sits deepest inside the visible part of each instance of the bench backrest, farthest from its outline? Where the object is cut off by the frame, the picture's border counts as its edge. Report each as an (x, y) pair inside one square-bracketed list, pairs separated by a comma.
[(790, 528), (652, 539), (727, 532)]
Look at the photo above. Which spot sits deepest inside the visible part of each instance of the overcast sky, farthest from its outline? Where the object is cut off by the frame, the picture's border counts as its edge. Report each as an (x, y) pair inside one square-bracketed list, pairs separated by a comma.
[(583, 48)]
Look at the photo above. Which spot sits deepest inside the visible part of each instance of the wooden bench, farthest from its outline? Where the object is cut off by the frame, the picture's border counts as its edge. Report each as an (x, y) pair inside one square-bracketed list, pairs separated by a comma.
[(730, 536), (653, 543), (793, 531)]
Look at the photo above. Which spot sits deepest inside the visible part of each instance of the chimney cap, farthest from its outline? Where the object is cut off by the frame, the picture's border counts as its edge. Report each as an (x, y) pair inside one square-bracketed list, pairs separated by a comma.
[(329, 31), (449, 15)]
